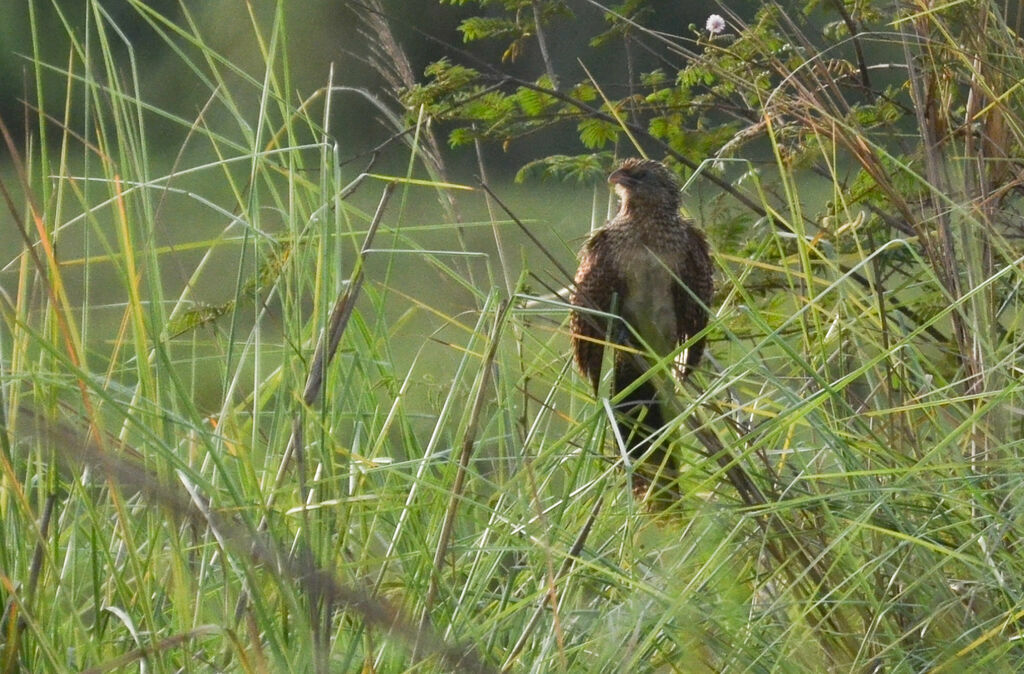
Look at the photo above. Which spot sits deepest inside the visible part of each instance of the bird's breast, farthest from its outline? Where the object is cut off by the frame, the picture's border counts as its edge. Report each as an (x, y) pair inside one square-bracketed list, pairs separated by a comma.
[(648, 304)]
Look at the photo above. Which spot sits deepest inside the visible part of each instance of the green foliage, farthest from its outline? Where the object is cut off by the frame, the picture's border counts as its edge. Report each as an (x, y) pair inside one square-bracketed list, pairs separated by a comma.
[(481, 28), (584, 92), (517, 28), (447, 83), (534, 102), (444, 487), (582, 168), (596, 133)]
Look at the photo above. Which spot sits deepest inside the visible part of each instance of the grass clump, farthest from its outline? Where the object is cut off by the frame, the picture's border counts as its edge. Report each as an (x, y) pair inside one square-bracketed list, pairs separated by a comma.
[(262, 413)]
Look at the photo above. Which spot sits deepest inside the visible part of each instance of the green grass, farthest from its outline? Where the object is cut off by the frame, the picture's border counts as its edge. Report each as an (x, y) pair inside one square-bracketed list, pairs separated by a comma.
[(179, 493)]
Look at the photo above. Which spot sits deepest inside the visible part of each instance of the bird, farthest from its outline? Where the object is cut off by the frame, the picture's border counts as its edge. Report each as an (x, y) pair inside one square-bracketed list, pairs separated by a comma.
[(649, 269)]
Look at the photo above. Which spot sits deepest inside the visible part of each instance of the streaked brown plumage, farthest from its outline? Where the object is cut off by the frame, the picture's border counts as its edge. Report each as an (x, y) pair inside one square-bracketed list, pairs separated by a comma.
[(650, 267)]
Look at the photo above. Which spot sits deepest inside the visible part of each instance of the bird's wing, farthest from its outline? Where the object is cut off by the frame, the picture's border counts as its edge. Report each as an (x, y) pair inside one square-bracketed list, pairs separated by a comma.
[(596, 284), (695, 270)]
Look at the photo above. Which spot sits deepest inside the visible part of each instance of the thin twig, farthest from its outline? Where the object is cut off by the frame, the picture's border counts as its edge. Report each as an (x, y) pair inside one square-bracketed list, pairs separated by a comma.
[(530, 235), (542, 42), (862, 65)]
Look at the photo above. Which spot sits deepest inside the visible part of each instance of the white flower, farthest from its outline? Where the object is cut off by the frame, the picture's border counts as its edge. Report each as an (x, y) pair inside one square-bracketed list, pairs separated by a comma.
[(715, 24)]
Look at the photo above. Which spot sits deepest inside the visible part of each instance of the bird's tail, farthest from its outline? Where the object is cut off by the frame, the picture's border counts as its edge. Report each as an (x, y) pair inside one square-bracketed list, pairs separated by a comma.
[(639, 416)]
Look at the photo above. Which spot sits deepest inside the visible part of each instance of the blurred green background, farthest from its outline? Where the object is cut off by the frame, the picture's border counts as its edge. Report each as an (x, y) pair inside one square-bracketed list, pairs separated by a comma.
[(321, 33)]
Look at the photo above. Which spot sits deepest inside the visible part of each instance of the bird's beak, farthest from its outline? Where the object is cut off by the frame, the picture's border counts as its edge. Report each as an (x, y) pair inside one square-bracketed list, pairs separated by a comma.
[(620, 177)]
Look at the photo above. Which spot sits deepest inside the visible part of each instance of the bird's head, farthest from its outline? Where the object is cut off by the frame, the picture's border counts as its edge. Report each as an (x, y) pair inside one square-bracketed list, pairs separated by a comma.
[(645, 184)]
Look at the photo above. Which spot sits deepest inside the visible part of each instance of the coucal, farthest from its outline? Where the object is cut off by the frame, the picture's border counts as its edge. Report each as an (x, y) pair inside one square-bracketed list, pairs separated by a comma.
[(650, 268)]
